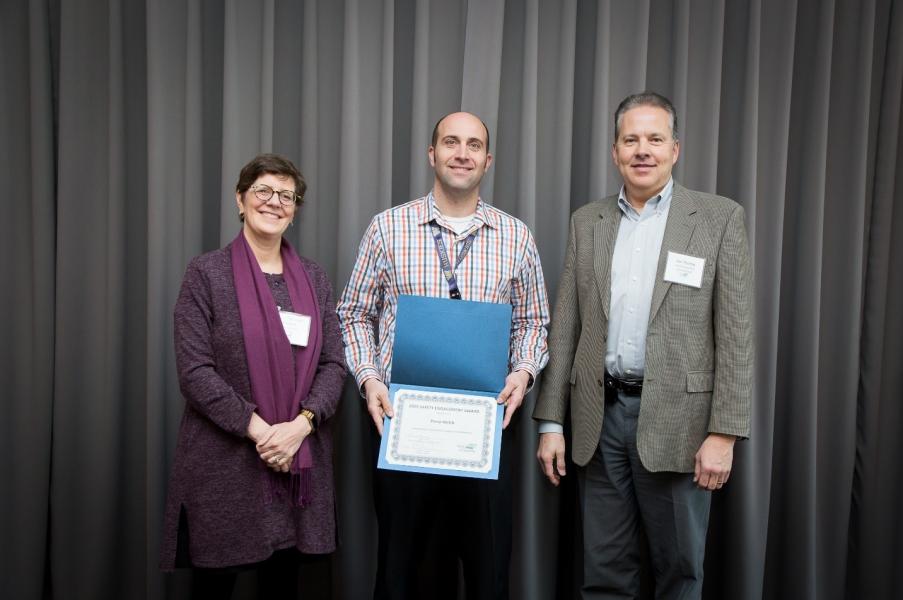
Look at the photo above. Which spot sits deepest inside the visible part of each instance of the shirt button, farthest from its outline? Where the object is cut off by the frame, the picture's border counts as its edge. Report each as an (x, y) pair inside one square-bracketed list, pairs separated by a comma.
[(633, 278)]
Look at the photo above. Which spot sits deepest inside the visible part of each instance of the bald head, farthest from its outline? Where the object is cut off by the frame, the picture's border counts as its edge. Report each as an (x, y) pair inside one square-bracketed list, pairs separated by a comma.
[(436, 129)]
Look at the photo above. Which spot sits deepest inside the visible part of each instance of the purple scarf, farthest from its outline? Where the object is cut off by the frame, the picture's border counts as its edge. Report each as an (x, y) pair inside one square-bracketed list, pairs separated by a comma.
[(278, 387)]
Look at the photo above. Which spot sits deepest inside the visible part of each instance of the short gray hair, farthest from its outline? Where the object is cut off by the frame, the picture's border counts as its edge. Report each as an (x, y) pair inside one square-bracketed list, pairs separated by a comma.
[(646, 98)]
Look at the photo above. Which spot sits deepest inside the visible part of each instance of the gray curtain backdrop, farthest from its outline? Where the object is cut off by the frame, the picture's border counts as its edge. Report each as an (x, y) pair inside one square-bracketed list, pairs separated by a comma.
[(123, 124)]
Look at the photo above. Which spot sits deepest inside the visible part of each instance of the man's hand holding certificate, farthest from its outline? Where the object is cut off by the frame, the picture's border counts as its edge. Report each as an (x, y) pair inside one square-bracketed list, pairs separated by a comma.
[(378, 404), (512, 396)]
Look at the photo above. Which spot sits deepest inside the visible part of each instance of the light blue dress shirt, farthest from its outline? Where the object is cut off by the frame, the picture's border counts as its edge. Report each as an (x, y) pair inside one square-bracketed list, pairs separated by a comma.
[(633, 269)]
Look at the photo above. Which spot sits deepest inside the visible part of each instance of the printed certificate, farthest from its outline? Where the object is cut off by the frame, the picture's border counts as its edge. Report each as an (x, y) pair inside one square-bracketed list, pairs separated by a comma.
[(447, 420), (441, 431)]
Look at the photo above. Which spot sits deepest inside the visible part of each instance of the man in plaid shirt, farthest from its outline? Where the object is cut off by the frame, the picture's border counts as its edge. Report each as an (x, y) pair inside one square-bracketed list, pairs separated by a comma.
[(493, 259)]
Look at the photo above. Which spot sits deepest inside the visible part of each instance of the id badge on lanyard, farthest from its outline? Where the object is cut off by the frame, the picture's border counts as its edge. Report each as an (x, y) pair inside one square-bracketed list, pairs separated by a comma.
[(453, 292)]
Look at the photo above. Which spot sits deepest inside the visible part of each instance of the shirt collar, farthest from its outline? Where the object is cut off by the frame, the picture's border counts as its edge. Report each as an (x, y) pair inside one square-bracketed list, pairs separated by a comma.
[(427, 211), (654, 206)]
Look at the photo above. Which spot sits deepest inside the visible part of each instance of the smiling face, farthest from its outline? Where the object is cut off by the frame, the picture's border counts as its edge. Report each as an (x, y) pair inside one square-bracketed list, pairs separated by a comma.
[(269, 219), (460, 156), (645, 151)]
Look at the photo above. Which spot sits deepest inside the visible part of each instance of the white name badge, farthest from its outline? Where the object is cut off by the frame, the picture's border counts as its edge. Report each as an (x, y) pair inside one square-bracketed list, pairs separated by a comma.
[(297, 327), (684, 269)]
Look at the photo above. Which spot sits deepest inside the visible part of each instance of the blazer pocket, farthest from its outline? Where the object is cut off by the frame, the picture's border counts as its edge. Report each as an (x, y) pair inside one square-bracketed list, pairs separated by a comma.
[(700, 381)]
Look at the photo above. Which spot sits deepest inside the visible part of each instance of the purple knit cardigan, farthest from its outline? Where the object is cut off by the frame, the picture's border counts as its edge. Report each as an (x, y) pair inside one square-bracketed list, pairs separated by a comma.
[(215, 477)]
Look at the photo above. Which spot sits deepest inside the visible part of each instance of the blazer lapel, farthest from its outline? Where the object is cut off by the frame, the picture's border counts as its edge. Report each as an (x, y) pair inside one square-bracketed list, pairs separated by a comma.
[(678, 231), (605, 232)]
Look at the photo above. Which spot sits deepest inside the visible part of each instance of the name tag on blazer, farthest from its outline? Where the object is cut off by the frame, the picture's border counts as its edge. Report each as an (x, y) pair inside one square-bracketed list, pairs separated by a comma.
[(684, 269), (297, 327)]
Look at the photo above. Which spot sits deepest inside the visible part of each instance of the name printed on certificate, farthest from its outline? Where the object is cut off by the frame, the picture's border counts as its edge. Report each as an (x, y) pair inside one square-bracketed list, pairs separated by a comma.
[(442, 430)]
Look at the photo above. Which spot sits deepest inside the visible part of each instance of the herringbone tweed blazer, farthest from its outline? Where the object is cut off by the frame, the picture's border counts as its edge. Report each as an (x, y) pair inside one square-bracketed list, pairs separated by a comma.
[(699, 345)]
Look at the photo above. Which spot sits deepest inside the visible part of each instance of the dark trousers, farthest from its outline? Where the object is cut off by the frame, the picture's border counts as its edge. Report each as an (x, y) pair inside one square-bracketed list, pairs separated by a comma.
[(620, 501), (427, 523), (277, 578)]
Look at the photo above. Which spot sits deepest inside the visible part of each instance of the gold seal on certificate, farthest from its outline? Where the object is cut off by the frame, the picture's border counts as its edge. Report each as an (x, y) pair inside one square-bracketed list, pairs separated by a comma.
[(441, 430)]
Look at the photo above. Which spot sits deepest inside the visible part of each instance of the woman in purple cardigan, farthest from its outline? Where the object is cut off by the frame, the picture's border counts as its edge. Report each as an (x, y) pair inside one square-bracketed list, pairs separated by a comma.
[(260, 363)]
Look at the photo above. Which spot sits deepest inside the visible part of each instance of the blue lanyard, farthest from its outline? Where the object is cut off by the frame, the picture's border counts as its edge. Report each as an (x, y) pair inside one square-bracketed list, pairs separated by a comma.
[(453, 292)]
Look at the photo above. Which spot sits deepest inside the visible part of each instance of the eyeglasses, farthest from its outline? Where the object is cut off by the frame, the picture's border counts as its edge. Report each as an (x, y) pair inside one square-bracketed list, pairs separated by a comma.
[(265, 192)]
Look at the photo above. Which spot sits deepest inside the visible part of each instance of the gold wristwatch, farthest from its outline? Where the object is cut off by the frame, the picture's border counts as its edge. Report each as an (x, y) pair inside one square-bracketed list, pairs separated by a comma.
[(311, 418)]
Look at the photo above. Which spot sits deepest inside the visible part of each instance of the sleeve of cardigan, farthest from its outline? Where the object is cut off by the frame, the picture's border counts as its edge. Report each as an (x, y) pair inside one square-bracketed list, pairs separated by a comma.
[(201, 385), (326, 389)]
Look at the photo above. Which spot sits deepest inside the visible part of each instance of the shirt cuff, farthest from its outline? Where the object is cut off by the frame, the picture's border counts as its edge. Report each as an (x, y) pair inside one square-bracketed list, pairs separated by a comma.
[(550, 427), (363, 373)]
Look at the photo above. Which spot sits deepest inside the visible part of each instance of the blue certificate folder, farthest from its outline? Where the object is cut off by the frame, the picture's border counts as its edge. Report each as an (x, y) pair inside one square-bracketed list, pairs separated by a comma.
[(449, 346)]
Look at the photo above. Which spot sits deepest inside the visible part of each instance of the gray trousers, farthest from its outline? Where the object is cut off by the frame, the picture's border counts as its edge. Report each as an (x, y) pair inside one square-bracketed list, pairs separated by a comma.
[(620, 500)]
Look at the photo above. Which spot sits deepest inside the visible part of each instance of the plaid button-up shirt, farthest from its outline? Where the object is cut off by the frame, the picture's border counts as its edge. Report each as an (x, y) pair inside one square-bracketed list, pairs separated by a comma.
[(398, 256)]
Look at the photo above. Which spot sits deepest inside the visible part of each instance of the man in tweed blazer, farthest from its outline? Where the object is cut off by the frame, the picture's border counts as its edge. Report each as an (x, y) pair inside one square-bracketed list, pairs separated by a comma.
[(651, 350)]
